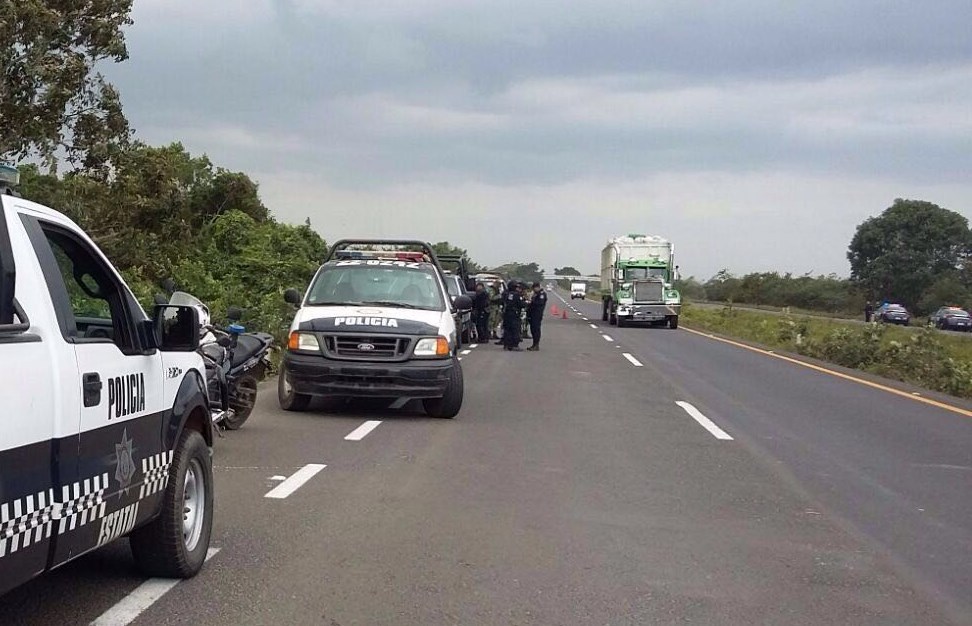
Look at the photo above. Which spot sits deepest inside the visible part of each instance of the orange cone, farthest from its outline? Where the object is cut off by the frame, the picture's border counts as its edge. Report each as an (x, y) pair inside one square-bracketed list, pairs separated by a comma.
[(564, 316), (554, 310)]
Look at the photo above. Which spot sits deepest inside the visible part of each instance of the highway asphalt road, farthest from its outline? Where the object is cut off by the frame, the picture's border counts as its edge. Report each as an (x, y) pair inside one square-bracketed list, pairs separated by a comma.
[(573, 489)]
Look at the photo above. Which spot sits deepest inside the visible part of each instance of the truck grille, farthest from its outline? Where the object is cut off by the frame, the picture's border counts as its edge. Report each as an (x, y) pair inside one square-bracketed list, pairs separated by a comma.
[(648, 291), (367, 347)]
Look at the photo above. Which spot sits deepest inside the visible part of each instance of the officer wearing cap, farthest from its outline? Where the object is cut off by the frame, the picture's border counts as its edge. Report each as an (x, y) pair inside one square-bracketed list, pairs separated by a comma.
[(535, 314), (512, 306)]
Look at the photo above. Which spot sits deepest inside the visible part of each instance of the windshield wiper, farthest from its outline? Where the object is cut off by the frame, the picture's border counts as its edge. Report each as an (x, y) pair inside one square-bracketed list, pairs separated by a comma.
[(390, 303)]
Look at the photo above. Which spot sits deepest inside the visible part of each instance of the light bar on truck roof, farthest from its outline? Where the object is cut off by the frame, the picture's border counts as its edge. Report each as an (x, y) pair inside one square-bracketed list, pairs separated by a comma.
[(384, 255)]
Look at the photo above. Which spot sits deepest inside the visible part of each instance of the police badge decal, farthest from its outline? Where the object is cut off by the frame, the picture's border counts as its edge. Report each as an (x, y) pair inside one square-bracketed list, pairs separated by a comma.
[(124, 463)]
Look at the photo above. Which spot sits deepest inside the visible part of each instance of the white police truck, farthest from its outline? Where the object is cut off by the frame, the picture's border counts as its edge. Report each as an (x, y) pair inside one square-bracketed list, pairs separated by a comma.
[(104, 428), (376, 322)]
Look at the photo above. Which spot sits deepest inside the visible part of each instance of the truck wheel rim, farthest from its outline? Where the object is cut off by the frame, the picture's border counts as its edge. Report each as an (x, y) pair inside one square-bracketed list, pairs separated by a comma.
[(193, 505)]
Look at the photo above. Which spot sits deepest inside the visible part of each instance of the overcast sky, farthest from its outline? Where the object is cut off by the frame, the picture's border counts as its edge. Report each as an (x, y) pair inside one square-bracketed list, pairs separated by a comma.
[(754, 134)]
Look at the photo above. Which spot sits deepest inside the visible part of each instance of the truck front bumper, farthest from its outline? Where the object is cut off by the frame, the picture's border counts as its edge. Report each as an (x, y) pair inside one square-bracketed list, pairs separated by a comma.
[(648, 312), (317, 375)]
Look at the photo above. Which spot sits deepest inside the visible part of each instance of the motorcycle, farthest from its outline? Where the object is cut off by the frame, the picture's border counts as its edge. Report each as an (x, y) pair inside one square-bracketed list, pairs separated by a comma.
[(236, 361)]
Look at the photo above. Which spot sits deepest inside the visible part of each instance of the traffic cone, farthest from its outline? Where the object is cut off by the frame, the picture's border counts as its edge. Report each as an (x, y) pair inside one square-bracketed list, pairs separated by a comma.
[(554, 310), (564, 316)]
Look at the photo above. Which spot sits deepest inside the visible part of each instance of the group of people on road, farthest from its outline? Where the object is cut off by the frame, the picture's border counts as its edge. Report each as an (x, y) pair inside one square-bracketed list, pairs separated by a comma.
[(490, 305)]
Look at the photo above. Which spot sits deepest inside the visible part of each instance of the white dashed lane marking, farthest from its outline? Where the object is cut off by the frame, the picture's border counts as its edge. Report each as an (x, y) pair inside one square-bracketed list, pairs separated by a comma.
[(465, 352), (594, 326), (144, 596), (296, 480), (362, 431), (706, 423), (633, 360), (607, 337)]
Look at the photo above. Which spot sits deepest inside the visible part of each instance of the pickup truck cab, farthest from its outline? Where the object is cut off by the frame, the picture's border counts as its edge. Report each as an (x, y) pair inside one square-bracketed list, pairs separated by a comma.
[(578, 290), (104, 428), (376, 323)]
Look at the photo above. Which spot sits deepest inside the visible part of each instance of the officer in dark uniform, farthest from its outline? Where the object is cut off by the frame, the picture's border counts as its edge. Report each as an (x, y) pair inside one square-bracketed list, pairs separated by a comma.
[(481, 313), (512, 307), (535, 315)]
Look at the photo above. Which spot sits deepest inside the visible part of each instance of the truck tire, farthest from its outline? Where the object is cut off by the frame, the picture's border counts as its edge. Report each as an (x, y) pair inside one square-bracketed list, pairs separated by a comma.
[(613, 321), (622, 322), (673, 321), (175, 544), (288, 398), (448, 405)]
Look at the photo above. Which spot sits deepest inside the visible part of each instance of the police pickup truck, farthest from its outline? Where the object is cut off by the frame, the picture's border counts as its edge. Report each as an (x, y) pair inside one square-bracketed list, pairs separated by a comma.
[(104, 428), (378, 323)]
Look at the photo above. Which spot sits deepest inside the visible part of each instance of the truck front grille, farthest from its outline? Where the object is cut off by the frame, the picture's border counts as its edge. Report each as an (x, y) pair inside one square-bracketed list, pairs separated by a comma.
[(648, 291), (366, 347)]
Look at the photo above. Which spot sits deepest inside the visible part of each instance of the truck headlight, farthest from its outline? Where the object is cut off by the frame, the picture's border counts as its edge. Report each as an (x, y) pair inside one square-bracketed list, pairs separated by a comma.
[(432, 346), (303, 342)]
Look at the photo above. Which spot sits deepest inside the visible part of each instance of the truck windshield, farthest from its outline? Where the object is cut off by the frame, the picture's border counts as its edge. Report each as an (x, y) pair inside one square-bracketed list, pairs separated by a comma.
[(386, 283), (641, 273)]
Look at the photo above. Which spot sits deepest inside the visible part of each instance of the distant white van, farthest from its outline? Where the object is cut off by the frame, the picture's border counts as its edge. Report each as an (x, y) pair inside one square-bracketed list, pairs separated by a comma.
[(578, 290)]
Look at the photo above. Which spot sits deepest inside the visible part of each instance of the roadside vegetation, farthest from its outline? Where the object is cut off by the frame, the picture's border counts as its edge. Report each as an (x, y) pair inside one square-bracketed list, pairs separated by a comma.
[(926, 358)]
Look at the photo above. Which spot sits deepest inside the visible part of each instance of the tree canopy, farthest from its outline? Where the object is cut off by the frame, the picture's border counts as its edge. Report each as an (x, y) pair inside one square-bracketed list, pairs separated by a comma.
[(912, 245), (51, 97), (569, 270)]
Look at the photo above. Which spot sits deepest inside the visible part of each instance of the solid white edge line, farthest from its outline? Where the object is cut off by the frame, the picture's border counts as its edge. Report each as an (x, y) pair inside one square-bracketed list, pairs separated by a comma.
[(295, 481), (706, 423), (362, 431), (633, 360), (142, 597), (606, 337)]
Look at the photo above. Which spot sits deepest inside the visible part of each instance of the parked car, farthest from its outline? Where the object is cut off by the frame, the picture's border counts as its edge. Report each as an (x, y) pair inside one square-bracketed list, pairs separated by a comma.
[(892, 314), (951, 318)]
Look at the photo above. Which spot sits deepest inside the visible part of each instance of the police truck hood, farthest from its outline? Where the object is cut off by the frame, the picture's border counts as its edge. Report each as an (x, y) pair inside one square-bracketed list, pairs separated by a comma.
[(371, 319)]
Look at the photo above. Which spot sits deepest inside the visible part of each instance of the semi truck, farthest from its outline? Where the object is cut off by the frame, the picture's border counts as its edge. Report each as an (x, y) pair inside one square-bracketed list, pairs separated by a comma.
[(638, 275)]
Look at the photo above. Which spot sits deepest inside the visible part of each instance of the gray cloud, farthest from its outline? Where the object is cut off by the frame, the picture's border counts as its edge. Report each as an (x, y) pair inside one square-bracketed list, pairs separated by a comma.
[(532, 111)]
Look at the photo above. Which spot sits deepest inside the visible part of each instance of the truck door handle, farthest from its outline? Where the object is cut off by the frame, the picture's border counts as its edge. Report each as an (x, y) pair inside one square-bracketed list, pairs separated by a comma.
[(91, 385)]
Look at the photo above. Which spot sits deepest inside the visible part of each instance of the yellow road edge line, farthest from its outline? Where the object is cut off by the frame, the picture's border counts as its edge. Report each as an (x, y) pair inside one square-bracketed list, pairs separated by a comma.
[(824, 370)]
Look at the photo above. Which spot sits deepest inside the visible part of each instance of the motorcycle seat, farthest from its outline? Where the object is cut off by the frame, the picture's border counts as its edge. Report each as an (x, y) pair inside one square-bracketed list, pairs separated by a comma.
[(248, 345)]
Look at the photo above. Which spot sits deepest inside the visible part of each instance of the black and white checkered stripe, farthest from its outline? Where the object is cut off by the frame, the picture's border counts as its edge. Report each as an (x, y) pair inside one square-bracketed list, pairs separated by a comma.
[(83, 502), (26, 520), (155, 473)]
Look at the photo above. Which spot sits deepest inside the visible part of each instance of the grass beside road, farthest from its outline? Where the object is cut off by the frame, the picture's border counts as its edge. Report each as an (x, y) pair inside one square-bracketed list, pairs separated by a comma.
[(927, 358)]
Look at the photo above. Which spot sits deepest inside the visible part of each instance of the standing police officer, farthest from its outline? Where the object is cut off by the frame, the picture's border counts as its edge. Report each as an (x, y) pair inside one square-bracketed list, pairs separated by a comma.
[(481, 313), (512, 306), (535, 314)]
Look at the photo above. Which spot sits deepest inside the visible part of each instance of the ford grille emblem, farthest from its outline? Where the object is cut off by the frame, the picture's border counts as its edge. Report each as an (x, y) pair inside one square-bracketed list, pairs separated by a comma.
[(366, 347)]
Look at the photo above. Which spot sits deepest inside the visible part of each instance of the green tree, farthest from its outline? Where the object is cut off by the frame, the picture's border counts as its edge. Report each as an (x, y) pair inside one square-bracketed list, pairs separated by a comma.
[(51, 97), (567, 271), (444, 248), (901, 252), (527, 272)]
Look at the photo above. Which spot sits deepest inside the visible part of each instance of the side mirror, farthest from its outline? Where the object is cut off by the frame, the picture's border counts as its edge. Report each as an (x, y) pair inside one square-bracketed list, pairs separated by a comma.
[(234, 313), (292, 296), (463, 303), (176, 328)]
